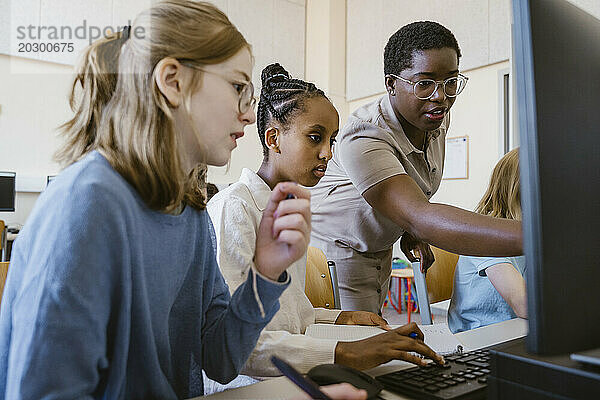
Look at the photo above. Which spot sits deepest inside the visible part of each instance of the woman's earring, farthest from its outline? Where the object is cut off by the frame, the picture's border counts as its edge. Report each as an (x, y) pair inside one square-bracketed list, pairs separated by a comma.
[(392, 92)]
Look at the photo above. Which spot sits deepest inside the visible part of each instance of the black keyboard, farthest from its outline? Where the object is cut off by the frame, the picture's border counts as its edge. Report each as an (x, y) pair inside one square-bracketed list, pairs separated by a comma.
[(463, 376)]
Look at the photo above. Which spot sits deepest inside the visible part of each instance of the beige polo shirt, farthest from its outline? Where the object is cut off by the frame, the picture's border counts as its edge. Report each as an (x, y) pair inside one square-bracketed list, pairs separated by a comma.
[(370, 148)]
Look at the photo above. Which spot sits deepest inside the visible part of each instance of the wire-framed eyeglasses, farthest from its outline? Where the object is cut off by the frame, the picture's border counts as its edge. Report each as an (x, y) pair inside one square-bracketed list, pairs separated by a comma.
[(424, 89), (245, 90)]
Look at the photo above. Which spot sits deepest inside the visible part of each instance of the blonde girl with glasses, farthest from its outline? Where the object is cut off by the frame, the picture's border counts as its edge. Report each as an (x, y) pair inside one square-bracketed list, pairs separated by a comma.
[(492, 289), (388, 163), (114, 291)]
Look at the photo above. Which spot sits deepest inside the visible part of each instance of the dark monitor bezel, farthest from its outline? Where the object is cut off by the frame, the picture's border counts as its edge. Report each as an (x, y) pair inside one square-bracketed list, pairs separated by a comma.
[(552, 40), (10, 174)]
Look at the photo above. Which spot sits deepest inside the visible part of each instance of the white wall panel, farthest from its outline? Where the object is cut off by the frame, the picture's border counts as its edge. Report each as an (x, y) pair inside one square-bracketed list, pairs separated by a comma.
[(364, 56), (499, 25), (74, 14), (5, 28), (288, 44), (468, 21), (254, 18), (15, 15)]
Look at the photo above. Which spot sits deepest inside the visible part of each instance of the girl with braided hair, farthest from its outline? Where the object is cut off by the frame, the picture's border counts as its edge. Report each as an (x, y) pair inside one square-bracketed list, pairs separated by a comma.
[(297, 126)]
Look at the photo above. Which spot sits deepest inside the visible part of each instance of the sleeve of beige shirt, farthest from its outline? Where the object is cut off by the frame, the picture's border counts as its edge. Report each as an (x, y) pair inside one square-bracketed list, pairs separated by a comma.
[(367, 155), (236, 241)]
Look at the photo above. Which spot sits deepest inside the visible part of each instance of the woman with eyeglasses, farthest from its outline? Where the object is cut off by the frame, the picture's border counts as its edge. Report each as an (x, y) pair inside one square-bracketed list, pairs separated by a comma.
[(387, 163)]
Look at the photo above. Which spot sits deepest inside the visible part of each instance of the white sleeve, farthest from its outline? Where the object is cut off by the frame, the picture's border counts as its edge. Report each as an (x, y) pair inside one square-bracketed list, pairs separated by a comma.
[(236, 241), (300, 351), (235, 237)]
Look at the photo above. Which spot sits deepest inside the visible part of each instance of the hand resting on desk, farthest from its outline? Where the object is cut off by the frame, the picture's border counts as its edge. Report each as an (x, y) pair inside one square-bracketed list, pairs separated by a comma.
[(362, 318), (387, 346)]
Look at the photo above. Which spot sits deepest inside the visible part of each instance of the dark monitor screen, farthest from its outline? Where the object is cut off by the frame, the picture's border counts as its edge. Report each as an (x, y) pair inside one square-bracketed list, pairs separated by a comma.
[(7, 191), (557, 78)]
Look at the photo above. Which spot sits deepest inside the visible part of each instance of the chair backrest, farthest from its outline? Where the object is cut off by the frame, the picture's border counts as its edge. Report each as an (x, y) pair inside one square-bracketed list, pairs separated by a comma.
[(440, 276), (2, 240), (2, 234), (320, 287), (3, 274)]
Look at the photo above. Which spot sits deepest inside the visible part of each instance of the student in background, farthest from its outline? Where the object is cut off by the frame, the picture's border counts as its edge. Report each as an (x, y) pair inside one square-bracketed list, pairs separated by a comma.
[(387, 165), (114, 290), (297, 126), (492, 289)]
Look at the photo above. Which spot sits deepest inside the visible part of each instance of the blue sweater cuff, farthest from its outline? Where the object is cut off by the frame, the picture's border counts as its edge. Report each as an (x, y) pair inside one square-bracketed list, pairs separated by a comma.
[(244, 302)]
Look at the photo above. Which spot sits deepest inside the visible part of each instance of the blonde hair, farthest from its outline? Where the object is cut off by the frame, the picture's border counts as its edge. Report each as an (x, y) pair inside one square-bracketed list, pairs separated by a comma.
[(503, 198), (120, 110)]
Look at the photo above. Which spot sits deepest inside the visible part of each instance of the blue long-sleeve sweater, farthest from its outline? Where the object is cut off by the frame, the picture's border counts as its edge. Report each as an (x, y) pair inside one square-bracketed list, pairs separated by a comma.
[(106, 298)]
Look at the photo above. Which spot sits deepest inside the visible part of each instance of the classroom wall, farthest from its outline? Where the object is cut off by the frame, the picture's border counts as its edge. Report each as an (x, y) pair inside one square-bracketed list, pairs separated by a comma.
[(33, 103), (34, 86), (316, 39)]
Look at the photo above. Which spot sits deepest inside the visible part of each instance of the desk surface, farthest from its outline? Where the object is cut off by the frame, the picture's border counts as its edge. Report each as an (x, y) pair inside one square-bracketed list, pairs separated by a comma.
[(282, 388)]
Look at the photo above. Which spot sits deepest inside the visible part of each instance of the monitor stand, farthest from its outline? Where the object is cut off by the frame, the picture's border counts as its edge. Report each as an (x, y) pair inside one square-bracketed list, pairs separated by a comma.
[(517, 374)]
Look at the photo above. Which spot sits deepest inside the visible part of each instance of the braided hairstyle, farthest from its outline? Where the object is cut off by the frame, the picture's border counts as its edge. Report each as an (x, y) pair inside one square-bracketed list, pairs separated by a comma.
[(416, 36), (281, 98)]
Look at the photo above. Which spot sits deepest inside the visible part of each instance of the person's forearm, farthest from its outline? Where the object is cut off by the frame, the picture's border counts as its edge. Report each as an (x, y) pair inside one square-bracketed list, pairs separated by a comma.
[(464, 232), (510, 285), (400, 199)]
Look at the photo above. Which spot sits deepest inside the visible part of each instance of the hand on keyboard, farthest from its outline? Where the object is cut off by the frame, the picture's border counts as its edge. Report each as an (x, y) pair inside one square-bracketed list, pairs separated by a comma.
[(387, 346)]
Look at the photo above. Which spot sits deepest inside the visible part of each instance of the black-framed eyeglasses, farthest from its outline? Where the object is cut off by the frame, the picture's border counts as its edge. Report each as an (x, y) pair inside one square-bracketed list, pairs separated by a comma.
[(425, 88), (245, 90)]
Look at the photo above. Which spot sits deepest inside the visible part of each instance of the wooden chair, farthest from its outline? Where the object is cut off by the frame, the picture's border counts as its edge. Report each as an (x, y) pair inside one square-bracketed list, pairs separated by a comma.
[(440, 276), (321, 286), (3, 274), (2, 240), (436, 287)]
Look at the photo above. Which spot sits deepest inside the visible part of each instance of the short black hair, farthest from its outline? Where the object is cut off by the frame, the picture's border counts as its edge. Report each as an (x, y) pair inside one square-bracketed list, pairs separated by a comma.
[(280, 98), (416, 36)]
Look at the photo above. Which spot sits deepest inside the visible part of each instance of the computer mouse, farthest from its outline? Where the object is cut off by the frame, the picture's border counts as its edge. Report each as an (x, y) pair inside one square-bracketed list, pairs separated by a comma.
[(328, 374)]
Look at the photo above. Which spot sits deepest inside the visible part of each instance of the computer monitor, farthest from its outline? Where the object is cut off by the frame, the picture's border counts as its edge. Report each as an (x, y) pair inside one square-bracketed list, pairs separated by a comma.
[(557, 77), (7, 191)]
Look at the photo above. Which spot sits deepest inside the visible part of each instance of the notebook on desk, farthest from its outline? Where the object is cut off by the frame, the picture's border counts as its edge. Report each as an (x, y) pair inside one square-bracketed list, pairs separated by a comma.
[(437, 336)]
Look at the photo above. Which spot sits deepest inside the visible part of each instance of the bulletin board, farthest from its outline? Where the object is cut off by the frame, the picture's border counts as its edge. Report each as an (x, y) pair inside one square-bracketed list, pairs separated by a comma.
[(456, 161)]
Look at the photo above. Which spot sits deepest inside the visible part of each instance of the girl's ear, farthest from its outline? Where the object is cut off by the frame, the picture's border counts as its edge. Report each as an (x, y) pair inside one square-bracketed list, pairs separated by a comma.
[(168, 76), (272, 139)]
